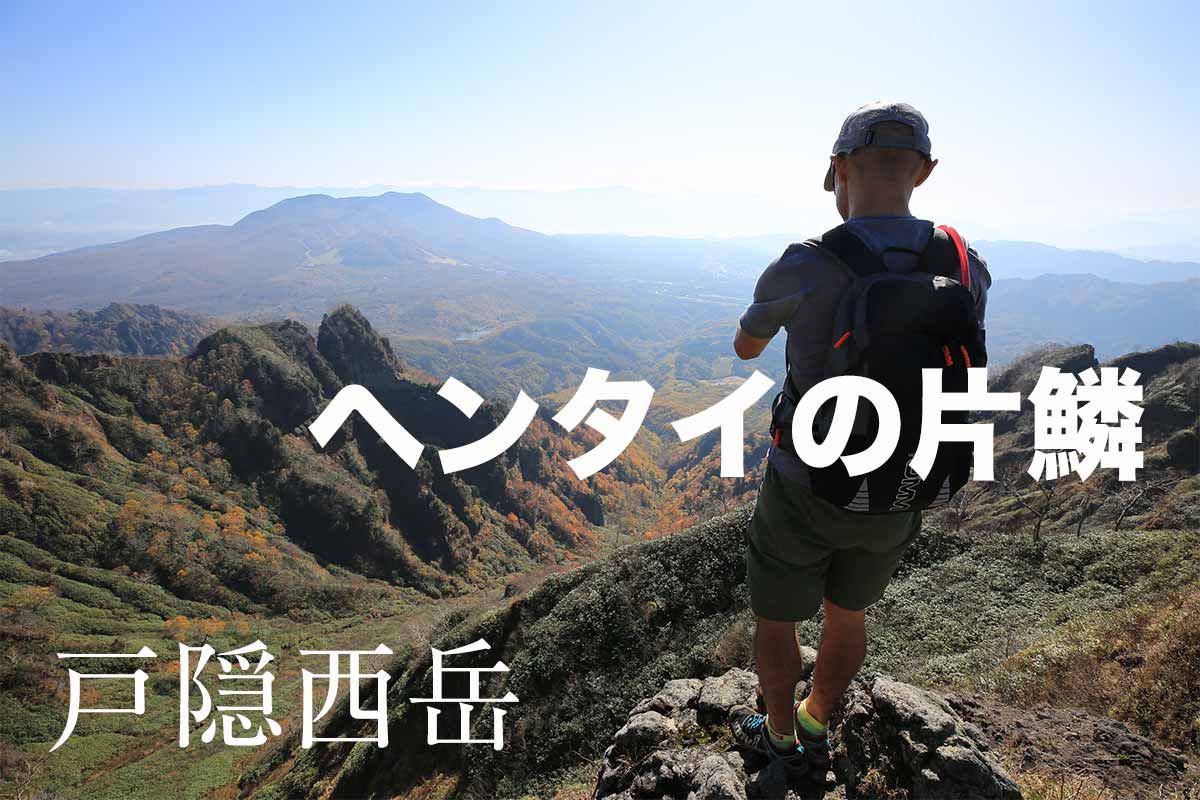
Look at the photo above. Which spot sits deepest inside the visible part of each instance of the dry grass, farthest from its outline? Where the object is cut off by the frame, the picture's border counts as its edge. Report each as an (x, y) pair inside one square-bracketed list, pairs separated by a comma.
[(1061, 786), (579, 782), (875, 784), (1141, 666), (1041, 786), (735, 648)]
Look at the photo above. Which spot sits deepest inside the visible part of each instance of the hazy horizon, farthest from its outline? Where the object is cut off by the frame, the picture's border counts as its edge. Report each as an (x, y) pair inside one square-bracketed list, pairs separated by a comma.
[(728, 117), (618, 210)]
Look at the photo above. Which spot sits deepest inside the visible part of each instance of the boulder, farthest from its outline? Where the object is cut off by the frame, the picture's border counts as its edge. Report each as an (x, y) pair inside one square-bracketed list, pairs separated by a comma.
[(642, 733), (719, 693)]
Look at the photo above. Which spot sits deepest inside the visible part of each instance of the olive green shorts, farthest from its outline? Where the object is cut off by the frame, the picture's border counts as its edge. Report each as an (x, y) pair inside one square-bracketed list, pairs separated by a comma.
[(801, 548)]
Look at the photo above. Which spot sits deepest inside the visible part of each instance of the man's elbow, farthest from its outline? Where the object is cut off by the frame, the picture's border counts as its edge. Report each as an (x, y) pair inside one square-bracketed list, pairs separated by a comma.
[(747, 347)]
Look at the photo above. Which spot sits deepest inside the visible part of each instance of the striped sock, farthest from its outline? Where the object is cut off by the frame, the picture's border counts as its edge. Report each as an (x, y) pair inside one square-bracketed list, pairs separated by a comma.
[(807, 721), (781, 742)]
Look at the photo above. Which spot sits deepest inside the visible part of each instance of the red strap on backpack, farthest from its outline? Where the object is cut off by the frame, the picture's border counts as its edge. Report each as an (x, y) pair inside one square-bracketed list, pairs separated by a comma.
[(962, 253)]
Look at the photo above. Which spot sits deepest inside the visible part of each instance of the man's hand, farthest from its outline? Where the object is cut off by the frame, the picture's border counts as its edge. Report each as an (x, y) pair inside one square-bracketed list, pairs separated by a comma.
[(747, 346)]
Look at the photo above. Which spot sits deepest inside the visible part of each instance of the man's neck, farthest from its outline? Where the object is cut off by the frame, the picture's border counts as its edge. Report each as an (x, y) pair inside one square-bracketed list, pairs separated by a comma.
[(876, 204)]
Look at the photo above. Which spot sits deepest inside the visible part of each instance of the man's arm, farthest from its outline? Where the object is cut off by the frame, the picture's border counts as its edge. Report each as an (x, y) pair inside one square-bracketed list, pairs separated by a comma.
[(981, 281), (747, 346), (777, 293)]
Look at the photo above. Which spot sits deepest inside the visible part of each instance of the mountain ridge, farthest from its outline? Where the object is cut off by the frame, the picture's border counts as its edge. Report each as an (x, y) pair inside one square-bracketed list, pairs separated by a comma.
[(233, 412), (118, 328)]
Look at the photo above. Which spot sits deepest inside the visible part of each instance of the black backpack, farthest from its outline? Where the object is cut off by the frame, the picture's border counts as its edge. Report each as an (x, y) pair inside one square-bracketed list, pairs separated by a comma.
[(888, 327)]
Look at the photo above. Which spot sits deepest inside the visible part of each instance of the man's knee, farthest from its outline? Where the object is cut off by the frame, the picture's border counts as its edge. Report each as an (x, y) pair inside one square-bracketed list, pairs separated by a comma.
[(774, 627), (844, 618)]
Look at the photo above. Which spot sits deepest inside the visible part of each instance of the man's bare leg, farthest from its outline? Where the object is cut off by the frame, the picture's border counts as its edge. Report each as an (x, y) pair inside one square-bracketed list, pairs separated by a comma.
[(839, 658), (778, 663)]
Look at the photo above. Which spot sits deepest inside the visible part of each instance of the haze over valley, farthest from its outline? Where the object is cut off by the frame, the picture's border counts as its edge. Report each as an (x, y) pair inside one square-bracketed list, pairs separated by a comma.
[(504, 307)]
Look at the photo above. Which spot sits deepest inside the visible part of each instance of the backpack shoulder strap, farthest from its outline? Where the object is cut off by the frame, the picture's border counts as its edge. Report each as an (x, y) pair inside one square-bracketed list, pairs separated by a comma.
[(851, 253), (850, 250), (946, 255)]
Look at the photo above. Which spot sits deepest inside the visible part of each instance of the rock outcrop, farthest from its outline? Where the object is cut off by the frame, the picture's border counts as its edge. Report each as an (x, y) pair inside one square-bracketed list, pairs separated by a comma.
[(894, 737), (890, 740), (357, 353)]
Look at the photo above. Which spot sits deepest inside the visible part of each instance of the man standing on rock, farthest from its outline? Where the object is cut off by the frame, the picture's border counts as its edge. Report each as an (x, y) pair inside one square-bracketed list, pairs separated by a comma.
[(802, 551)]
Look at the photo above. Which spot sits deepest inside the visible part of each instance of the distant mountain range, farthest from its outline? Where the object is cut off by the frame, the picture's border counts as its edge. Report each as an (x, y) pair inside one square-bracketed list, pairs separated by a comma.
[(426, 272), (1024, 313), (295, 247), (509, 307), (36, 222), (1031, 259)]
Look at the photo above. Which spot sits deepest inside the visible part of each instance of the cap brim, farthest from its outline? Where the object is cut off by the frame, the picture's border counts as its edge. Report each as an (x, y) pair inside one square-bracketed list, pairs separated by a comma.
[(829, 178)]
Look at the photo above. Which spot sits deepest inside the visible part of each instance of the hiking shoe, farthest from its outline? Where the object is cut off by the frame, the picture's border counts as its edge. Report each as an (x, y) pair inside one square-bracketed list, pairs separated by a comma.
[(749, 730), (816, 747)]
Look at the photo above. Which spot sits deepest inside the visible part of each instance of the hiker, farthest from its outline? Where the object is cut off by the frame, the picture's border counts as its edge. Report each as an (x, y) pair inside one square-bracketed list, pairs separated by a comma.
[(804, 550)]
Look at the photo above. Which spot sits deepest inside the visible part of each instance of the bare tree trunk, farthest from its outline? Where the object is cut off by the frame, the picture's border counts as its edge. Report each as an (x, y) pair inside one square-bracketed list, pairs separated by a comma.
[(1158, 486), (1084, 507), (1046, 488)]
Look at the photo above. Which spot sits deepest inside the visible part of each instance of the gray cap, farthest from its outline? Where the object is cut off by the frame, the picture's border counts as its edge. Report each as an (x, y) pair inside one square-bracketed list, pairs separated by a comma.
[(856, 131)]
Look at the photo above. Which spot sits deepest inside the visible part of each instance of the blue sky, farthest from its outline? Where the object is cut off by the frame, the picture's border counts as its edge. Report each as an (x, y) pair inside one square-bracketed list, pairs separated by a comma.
[(1073, 114)]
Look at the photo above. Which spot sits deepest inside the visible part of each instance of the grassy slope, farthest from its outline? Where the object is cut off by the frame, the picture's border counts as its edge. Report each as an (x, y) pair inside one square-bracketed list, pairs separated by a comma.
[(53, 606), (584, 646)]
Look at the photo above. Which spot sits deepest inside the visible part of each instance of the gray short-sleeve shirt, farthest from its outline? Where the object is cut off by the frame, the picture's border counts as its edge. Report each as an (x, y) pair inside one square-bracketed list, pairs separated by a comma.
[(800, 290)]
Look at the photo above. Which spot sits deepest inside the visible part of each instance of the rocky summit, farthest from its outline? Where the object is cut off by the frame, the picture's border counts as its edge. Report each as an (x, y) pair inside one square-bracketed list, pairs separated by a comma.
[(890, 740)]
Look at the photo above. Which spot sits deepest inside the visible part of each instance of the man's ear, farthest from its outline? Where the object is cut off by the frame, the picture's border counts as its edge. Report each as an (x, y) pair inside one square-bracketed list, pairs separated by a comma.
[(926, 168), (839, 167)]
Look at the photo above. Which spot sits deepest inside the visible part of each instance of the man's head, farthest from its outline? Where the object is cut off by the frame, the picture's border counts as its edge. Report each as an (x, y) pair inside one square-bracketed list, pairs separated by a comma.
[(881, 154)]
